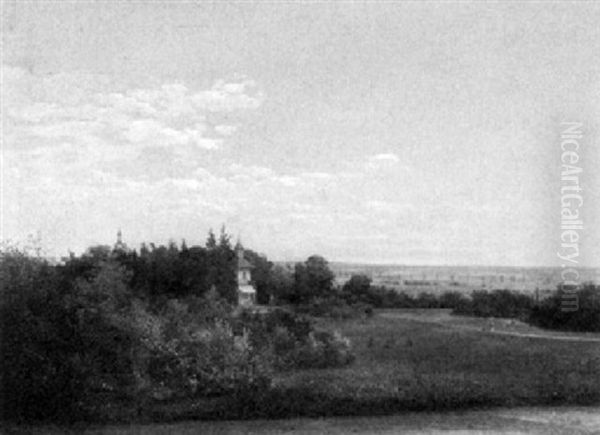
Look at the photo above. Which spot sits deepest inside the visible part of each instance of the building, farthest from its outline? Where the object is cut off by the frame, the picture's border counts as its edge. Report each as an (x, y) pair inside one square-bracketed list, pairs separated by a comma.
[(120, 246), (246, 292)]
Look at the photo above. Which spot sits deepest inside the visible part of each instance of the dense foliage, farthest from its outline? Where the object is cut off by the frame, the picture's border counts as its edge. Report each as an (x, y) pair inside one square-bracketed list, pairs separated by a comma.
[(38, 374), (293, 341), (575, 311), (497, 303), (118, 329), (69, 346)]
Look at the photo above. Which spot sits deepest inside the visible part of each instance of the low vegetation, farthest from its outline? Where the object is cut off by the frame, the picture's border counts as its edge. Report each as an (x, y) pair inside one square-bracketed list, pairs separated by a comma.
[(581, 314)]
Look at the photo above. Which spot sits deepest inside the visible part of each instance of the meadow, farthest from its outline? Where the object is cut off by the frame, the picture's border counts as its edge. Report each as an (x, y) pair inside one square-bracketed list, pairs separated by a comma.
[(405, 361), (419, 360)]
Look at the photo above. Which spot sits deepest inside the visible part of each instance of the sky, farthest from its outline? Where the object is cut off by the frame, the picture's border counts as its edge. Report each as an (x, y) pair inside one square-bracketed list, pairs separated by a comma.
[(423, 133)]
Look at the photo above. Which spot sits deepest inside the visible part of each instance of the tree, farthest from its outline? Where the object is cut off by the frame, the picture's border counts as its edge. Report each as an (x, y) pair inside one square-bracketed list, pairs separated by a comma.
[(301, 292), (261, 276), (454, 300), (211, 241), (61, 344), (222, 266), (319, 276), (36, 376), (427, 300), (312, 279), (107, 291), (282, 282), (86, 265), (550, 313), (358, 288)]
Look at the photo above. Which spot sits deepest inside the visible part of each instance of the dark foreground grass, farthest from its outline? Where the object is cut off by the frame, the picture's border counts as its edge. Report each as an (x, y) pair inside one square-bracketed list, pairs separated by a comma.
[(438, 366), (404, 365)]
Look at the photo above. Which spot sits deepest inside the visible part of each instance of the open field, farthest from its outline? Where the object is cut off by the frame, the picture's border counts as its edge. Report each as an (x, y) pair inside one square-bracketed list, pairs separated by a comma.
[(407, 361), (429, 358), (492, 325), (438, 279), (423, 360)]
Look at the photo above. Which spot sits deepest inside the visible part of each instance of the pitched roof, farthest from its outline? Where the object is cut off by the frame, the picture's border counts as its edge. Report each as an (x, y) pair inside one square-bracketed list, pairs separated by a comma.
[(243, 263)]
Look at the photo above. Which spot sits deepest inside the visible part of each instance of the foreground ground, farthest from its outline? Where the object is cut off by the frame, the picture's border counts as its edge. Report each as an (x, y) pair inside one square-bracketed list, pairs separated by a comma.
[(543, 421), (423, 360), (415, 360)]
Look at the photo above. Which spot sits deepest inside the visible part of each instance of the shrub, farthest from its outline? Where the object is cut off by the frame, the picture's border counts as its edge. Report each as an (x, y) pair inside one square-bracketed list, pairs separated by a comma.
[(284, 342), (72, 350), (194, 352), (60, 348), (292, 341), (498, 303), (454, 300), (214, 363), (322, 350), (263, 326), (550, 313)]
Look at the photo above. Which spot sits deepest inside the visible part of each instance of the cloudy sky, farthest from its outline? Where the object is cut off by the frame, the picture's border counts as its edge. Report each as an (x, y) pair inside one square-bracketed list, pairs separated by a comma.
[(398, 132)]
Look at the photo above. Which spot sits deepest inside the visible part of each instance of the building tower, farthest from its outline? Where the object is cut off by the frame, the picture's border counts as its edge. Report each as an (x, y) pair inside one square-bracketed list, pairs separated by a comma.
[(246, 292), (120, 246)]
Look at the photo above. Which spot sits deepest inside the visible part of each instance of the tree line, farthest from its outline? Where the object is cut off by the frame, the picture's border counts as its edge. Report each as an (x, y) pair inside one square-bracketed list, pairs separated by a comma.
[(108, 334)]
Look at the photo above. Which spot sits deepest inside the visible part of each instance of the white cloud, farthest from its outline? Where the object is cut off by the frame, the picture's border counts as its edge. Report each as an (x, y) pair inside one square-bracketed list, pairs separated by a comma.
[(288, 181), (387, 157), (227, 97), (382, 206), (83, 155), (142, 129), (257, 173), (320, 176), (76, 105), (186, 183), (225, 130)]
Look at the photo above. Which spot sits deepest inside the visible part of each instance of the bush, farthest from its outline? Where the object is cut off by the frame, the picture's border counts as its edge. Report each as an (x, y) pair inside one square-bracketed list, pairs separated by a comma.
[(61, 347), (498, 303), (70, 350), (585, 316), (264, 325), (323, 350), (454, 300), (194, 352), (292, 341), (214, 362)]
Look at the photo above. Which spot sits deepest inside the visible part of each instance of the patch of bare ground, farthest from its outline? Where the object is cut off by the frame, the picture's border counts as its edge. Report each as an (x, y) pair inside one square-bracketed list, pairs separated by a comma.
[(542, 421)]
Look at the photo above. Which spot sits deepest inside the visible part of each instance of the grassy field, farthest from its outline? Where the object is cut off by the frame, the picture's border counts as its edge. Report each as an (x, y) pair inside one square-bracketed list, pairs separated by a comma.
[(420, 360), (501, 326), (417, 360), (453, 362), (409, 360)]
